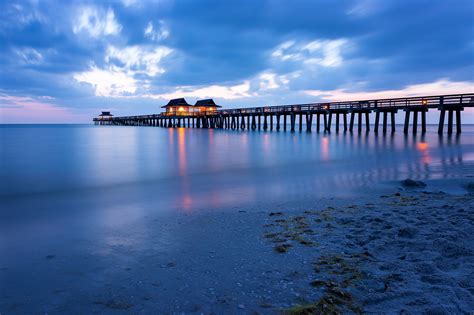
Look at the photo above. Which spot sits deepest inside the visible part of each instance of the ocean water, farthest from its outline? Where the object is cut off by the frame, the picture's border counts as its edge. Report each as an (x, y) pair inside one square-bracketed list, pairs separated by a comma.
[(76, 201), (191, 169)]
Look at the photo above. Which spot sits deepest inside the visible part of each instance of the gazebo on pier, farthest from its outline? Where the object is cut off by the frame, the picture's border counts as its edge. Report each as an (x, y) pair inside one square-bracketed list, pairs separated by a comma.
[(104, 119), (178, 107), (206, 106), (105, 116)]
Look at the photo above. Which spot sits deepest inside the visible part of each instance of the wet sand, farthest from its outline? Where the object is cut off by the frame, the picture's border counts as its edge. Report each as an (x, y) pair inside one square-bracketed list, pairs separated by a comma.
[(405, 250)]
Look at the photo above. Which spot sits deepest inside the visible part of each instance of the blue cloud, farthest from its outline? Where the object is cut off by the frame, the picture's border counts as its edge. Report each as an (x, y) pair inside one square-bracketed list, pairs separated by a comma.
[(64, 50)]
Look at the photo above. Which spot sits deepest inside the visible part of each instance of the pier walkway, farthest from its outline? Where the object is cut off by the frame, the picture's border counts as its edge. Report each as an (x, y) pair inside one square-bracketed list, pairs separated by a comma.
[(328, 116)]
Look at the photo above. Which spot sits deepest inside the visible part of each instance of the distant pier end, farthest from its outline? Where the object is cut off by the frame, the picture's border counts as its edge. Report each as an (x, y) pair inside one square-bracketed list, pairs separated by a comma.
[(207, 114), (105, 118)]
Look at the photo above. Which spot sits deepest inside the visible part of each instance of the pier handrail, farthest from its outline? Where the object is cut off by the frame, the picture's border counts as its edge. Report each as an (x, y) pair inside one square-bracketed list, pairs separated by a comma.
[(399, 103)]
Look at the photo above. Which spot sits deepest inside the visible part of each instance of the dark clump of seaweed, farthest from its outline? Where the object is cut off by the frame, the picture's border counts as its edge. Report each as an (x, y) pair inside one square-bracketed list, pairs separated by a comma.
[(282, 248), (275, 214), (291, 230), (343, 271), (334, 301), (344, 268)]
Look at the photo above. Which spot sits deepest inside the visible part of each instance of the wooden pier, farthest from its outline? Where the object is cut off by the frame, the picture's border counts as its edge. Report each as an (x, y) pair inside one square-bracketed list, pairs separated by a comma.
[(299, 115)]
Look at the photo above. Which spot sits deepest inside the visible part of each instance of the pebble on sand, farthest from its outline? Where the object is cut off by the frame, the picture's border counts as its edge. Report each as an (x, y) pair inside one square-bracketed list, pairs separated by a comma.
[(412, 183)]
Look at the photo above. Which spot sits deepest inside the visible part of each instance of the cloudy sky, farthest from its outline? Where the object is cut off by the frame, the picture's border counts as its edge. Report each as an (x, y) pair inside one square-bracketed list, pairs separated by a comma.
[(65, 62)]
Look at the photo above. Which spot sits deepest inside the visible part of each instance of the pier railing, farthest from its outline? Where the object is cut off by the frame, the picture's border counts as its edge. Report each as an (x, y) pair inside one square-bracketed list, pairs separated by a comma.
[(395, 103)]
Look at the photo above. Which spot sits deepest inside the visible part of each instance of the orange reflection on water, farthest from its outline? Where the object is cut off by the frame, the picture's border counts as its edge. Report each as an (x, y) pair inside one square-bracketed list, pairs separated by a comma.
[(182, 162), (266, 142), (425, 155), (187, 203), (325, 149)]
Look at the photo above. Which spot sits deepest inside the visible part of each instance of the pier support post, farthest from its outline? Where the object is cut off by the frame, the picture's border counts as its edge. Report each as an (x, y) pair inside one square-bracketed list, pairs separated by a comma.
[(242, 125), (284, 122), (423, 121), (278, 122), (259, 123), (367, 122), (441, 120), (318, 122), (328, 127), (351, 126), (300, 125), (384, 129), (254, 125), (359, 126), (377, 118), (271, 122), (265, 123), (450, 121), (337, 122), (392, 116), (407, 120), (415, 121), (292, 122), (345, 122), (309, 121), (458, 121)]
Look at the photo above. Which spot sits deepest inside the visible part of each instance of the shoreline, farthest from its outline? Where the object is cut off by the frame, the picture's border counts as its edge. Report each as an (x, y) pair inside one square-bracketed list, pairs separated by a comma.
[(409, 250)]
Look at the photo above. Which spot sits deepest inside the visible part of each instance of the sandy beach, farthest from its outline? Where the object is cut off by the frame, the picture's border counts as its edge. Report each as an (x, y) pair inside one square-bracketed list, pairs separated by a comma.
[(408, 250)]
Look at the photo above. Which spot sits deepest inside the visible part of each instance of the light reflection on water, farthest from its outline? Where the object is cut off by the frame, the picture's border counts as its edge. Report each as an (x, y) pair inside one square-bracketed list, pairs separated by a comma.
[(189, 169)]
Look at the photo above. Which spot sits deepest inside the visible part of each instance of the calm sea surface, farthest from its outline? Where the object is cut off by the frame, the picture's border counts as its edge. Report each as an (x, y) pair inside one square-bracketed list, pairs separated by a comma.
[(190, 169), (78, 202)]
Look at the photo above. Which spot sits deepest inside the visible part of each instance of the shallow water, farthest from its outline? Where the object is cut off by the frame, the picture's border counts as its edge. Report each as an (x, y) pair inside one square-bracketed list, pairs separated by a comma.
[(86, 194)]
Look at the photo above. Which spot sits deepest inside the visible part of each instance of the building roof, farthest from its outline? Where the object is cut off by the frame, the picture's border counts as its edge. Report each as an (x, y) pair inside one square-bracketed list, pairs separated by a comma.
[(106, 114), (177, 102), (207, 103)]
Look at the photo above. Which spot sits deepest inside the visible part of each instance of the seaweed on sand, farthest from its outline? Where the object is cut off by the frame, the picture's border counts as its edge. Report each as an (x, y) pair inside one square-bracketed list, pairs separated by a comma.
[(282, 248), (292, 229), (333, 302)]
